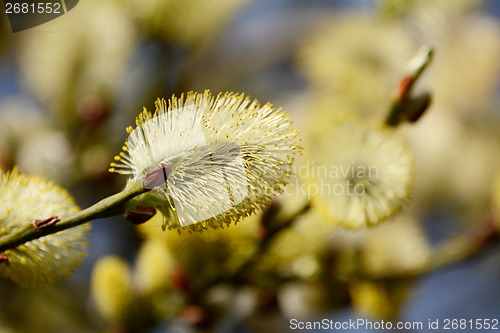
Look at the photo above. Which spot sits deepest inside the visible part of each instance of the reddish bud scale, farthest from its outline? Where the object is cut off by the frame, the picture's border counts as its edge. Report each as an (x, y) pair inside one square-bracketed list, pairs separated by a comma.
[(41, 224), (156, 177), (139, 218), (404, 86)]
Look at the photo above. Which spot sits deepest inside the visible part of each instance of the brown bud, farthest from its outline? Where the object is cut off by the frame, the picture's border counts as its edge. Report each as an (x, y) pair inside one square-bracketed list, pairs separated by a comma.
[(139, 218), (156, 177), (417, 106), (41, 224)]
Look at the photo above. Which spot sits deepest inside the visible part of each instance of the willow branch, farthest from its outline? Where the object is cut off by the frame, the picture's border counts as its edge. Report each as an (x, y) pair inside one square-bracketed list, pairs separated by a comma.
[(110, 206)]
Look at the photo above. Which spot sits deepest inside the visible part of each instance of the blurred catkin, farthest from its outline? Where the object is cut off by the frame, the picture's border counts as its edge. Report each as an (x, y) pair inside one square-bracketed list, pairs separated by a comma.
[(112, 290), (52, 257), (360, 172)]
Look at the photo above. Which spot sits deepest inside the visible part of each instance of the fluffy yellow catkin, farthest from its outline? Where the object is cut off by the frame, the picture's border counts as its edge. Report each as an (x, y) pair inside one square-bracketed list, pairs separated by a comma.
[(50, 258), (218, 159)]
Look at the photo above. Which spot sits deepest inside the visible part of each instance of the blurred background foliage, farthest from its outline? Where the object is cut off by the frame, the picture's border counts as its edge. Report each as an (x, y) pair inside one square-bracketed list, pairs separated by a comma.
[(68, 89)]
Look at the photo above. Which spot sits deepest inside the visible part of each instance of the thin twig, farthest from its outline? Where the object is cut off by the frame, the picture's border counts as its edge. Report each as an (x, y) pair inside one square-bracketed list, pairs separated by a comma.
[(107, 207)]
